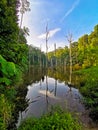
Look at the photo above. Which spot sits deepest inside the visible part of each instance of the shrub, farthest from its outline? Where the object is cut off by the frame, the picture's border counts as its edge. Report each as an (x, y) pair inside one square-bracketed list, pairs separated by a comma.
[(5, 112), (7, 71), (90, 91), (55, 120), (76, 67)]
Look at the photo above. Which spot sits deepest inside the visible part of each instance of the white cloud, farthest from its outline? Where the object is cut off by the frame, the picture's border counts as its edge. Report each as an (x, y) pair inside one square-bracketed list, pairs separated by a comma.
[(51, 33), (70, 10), (51, 95)]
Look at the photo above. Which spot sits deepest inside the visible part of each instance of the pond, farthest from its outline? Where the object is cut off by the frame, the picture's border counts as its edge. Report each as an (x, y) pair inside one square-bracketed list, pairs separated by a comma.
[(47, 89)]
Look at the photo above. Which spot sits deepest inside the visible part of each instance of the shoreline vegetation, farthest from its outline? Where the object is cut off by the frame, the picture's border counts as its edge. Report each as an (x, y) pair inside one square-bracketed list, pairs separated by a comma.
[(89, 90), (56, 119), (16, 57)]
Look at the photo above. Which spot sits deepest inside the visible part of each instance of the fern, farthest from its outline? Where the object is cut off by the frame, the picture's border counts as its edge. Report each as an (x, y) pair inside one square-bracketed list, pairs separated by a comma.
[(7, 71), (5, 81)]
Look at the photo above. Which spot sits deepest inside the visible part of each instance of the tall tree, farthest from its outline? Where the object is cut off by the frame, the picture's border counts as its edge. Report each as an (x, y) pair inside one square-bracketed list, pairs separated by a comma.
[(25, 6)]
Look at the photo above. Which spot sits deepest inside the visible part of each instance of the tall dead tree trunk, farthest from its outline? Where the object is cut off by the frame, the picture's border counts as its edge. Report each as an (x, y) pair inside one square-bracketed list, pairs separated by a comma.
[(69, 39), (40, 58), (55, 55), (47, 38)]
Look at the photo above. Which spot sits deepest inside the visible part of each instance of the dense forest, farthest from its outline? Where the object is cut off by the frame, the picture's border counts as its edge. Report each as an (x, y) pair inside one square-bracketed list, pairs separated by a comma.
[(16, 57)]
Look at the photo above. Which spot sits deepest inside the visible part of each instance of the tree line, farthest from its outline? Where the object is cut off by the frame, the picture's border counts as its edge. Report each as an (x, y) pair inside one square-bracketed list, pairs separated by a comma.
[(84, 52)]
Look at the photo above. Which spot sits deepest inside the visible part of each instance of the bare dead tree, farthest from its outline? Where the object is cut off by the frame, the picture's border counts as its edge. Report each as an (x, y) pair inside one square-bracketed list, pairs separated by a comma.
[(47, 38), (55, 54), (70, 39), (40, 57)]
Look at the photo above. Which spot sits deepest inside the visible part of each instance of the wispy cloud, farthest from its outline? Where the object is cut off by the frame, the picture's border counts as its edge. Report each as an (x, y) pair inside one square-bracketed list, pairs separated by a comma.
[(70, 10), (51, 33)]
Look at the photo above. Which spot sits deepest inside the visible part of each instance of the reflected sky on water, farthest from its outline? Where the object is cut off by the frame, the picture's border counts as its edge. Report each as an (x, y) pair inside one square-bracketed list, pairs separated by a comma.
[(49, 92)]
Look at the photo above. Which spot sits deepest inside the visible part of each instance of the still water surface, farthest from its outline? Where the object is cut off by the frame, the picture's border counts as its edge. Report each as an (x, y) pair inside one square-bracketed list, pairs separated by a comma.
[(50, 92)]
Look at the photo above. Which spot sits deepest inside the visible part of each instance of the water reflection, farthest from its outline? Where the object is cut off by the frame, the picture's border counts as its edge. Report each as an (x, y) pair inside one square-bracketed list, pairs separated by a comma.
[(42, 78), (42, 89), (45, 93), (48, 88)]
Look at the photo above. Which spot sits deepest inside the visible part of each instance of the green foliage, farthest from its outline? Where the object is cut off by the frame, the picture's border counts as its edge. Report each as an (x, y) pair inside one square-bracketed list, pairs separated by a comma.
[(55, 120), (12, 45), (84, 52), (90, 90), (85, 64), (76, 67), (5, 112), (7, 71), (36, 57), (59, 56), (8, 20), (15, 54), (13, 57), (5, 81)]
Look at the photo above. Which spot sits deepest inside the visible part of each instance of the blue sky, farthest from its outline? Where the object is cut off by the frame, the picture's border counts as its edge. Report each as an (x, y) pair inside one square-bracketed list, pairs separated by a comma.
[(63, 16)]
